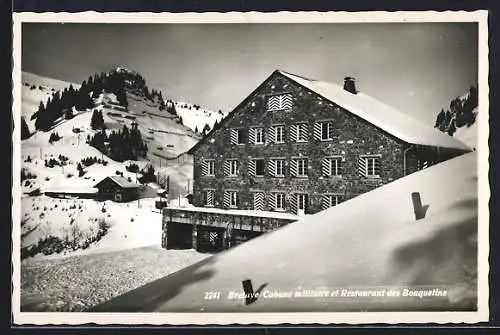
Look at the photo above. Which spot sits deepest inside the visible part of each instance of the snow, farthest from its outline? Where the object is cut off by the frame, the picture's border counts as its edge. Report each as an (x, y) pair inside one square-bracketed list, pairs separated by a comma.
[(265, 214), (132, 225), (196, 119), (370, 241), (31, 98), (379, 114)]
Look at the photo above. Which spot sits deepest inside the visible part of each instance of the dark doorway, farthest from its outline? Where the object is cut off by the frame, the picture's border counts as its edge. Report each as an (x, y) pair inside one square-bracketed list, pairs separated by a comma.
[(179, 236)]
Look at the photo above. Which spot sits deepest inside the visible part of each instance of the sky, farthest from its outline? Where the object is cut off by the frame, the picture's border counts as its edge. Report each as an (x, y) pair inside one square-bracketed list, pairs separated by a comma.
[(415, 67)]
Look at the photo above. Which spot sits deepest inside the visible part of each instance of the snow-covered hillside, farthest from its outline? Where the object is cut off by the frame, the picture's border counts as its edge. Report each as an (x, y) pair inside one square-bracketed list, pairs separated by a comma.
[(195, 117), (43, 217), (371, 242), (35, 89)]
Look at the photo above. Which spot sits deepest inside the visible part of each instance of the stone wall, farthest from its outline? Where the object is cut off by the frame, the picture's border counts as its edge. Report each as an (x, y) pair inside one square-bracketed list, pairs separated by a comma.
[(352, 137)]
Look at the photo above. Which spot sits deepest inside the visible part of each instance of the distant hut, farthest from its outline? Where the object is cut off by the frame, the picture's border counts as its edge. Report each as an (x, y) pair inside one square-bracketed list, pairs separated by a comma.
[(118, 189)]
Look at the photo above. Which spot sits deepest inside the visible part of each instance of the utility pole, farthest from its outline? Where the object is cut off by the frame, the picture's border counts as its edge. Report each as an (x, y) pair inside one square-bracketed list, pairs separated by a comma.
[(188, 185)]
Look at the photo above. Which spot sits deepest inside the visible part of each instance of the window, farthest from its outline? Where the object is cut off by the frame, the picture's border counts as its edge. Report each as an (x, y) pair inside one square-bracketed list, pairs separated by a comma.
[(237, 136), (279, 102), (231, 167), (299, 167), (279, 134), (331, 166), (231, 199), (257, 135), (323, 130), (256, 167), (279, 167), (208, 198), (302, 132), (279, 203), (330, 200), (299, 132), (208, 167), (369, 166), (259, 167)]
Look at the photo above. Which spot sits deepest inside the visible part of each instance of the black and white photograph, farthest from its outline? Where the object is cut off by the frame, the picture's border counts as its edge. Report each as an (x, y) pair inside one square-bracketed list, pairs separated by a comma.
[(265, 168)]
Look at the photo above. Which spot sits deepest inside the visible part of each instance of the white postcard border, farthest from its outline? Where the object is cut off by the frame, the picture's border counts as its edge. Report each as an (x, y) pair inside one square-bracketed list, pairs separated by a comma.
[(75, 318)]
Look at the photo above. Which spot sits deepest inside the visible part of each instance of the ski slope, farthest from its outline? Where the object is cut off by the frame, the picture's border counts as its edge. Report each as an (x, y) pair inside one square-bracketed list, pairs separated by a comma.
[(372, 241)]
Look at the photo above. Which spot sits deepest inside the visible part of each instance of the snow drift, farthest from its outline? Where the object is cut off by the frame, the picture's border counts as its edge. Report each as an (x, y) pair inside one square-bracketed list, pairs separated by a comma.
[(370, 242)]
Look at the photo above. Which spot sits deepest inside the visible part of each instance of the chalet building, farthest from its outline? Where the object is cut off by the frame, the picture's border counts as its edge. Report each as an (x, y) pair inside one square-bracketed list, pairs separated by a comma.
[(117, 188), (299, 145)]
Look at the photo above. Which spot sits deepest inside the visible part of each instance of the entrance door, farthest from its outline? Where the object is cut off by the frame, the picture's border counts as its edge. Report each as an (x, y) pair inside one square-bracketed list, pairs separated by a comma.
[(301, 203)]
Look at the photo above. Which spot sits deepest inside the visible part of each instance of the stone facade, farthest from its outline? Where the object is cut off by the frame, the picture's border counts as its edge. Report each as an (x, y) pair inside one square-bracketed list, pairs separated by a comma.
[(352, 138)]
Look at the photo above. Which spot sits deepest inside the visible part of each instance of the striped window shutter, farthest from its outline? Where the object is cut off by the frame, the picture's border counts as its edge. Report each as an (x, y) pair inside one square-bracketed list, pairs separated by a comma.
[(258, 201), (293, 168), (227, 168), (251, 136), (326, 167), (317, 131), (271, 201), (273, 103), (272, 168), (227, 199), (293, 133), (204, 167), (286, 101), (362, 167), (293, 203), (272, 134), (210, 198), (234, 136), (326, 202), (251, 168), (305, 131)]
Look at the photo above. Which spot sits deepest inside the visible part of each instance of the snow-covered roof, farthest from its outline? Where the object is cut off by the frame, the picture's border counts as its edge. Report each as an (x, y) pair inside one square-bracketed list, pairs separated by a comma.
[(240, 212), (70, 189), (121, 181), (379, 114)]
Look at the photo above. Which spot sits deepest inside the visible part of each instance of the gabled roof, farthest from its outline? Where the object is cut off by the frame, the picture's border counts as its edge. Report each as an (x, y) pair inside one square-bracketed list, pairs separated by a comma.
[(389, 119), (120, 181)]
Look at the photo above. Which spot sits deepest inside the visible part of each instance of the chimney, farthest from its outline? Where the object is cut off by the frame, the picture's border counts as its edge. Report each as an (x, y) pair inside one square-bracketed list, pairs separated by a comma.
[(349, 85)]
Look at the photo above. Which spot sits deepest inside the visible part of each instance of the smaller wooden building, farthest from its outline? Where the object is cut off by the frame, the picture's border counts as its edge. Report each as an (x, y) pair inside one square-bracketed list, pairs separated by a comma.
[(117, 188)]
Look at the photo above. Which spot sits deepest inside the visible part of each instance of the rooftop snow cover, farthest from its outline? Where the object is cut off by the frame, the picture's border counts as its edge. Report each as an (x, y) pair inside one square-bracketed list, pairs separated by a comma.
[(70, 189), (379, 114), (121, 181), (370, 241)]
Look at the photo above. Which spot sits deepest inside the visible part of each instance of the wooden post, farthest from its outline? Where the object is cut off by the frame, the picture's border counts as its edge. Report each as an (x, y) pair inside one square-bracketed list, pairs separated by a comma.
[(417, 206)]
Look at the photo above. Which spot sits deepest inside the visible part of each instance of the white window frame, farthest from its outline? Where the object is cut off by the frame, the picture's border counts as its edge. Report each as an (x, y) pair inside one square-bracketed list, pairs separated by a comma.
[(282, 133), (370, 172), (259, 132), (329, 130), (298, 130), (234, 167), (335, 165), (305, 167), (211, 168), (279, 199), (233, 199), (264, 172), (282, 163)]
